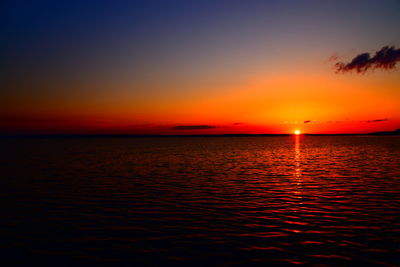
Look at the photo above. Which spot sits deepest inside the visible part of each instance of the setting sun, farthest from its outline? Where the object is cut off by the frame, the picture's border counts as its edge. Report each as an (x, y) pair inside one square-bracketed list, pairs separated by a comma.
[(297, 132)]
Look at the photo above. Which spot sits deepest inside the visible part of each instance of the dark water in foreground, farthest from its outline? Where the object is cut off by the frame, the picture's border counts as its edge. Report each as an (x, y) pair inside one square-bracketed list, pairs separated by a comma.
[(219, 201)]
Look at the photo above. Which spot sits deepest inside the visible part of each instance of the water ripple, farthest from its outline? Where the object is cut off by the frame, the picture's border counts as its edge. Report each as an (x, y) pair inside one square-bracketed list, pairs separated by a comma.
[(226, 201)]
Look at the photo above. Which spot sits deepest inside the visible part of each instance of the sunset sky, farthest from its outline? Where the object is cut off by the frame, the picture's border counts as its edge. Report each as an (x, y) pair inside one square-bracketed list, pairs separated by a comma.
[(196, 67)]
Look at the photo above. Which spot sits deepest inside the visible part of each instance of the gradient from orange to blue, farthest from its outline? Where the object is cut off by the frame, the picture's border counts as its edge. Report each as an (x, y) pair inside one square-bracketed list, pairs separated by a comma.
[(195, 67)]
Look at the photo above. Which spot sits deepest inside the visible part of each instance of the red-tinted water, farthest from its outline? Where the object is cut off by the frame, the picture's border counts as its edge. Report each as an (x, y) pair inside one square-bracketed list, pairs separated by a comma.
[(228, 200)]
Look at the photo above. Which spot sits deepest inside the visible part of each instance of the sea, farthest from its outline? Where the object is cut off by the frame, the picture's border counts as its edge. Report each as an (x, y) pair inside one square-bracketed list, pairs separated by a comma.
[(198, 201)]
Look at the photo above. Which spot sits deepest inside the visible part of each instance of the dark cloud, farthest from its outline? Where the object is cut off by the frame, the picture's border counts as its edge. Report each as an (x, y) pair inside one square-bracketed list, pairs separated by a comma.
[(193, 127), (379, 120), (386, 59), (308, 121)]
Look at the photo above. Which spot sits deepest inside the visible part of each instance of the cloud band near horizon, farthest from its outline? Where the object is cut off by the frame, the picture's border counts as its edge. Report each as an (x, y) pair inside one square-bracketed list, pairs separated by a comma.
[(193, 127)]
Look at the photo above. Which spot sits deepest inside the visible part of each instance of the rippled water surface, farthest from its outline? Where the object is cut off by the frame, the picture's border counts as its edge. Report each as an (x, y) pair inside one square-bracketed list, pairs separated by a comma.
[(220, 201)]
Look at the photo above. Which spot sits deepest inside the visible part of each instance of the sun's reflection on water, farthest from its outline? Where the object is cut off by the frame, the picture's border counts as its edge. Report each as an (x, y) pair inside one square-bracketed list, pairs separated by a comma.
[(297, 167), (297, 157)]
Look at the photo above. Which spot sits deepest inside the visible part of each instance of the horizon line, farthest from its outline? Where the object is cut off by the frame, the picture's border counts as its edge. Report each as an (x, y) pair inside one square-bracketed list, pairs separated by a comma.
[(99, 135)]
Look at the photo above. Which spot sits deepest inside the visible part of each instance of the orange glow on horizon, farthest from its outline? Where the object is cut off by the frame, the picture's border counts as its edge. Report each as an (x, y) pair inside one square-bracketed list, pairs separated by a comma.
[(318, 103)]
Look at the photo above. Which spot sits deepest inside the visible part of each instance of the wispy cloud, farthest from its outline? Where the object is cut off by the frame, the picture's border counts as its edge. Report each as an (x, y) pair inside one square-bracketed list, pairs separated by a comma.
[(386, 58), (378, 120), (193, 127), (332, 58)]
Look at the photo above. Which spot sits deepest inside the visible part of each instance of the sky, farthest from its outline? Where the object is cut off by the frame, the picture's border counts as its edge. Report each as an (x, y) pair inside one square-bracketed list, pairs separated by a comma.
[(198, 67)]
